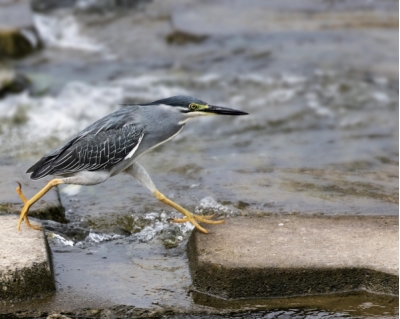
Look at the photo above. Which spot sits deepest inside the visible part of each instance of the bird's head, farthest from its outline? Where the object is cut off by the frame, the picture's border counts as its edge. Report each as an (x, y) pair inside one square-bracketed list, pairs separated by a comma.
[(191, 107)]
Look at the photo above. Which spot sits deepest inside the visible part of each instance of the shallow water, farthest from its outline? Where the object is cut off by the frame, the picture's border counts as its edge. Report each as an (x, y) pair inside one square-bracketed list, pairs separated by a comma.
[(321, 137)]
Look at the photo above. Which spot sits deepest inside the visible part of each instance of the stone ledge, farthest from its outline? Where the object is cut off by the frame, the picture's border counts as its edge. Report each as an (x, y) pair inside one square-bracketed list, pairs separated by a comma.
[(25, 267), (281, 256)]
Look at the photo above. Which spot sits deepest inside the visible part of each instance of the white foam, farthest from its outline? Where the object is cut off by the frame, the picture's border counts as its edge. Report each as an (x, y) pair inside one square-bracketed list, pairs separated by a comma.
[(71, 190), (380, 97), (77, 106), (61, 240), (99, 237), (314, 104), (161, 222), (210, 205), (64, 32)]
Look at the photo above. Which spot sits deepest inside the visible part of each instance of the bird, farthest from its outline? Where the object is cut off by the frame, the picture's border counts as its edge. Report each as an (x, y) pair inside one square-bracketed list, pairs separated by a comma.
[(114, 143)]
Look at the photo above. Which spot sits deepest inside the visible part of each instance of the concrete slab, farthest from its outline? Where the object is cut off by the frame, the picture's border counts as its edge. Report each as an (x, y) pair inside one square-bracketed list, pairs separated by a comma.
[(279, 256), (25, 268), (48, 207)]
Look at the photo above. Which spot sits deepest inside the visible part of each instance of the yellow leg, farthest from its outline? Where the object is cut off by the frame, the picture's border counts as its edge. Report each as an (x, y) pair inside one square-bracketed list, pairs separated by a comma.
[(22, 196), (190, 217), (30, 202), (20, 193)]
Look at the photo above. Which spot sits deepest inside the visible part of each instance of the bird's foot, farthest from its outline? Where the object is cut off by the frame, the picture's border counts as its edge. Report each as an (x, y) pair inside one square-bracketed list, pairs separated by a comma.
[(35, 227), (193, 218), (20, 193), (24, 211)]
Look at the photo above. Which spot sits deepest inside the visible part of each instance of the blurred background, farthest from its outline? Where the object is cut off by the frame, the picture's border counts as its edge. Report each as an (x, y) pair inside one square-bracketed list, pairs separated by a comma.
[(319, 79)]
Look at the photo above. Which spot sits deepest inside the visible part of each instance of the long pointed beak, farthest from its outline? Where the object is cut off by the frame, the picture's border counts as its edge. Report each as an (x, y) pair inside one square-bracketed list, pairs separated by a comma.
[(223, 110)]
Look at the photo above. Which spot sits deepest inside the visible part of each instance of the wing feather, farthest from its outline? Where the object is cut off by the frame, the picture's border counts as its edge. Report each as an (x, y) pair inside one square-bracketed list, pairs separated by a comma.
[(96, 151)]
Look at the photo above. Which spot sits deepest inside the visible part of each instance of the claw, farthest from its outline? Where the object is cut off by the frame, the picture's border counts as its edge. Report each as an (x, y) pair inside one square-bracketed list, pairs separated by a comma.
[(206, 216), (28, 203), (19, 192), (191, 218), (203, 219)]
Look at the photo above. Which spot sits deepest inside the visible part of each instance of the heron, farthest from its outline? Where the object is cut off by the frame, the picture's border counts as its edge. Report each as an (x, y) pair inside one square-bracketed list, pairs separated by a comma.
[(114, 143)]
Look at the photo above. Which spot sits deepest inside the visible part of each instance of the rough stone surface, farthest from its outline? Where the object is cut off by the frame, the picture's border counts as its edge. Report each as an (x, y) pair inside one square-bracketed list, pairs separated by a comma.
[(296, 255), (18, 35), (25, 268), (48, 207)]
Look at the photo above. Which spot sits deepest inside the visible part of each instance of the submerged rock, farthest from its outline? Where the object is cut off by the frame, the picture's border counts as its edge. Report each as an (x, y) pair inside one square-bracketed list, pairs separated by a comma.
[(18, 35), (11, 81)]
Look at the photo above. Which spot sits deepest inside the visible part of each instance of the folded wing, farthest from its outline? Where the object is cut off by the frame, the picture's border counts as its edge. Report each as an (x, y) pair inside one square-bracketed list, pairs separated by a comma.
[(97, 150)]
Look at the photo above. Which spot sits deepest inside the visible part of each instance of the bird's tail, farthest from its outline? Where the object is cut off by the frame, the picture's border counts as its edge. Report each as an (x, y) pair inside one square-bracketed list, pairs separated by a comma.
[(42, 168)]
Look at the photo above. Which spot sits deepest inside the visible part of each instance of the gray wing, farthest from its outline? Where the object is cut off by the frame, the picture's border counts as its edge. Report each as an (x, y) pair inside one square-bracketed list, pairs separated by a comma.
[(99, 147)]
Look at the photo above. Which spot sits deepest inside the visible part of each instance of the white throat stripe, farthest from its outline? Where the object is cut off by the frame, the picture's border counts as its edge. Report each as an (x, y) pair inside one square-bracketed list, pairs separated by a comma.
[(135, 148)]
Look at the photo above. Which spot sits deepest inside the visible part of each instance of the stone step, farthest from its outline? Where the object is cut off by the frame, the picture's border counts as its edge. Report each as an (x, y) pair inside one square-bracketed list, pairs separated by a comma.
[(25, 268), (282, 256)]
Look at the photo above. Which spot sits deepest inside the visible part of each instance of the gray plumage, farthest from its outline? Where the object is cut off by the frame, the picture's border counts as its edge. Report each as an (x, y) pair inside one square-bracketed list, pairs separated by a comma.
[(112, 143), (108, 141), (100, 146)]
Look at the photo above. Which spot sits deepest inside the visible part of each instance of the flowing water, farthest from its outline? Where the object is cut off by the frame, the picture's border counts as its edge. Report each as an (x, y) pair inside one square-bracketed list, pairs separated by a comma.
[(321, 137)]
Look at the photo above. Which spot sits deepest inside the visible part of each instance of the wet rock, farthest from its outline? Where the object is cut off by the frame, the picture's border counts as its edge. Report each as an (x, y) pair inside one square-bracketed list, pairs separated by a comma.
[(180, 37), (296, 255), (103, 6), (90, 6), (46, 5), (171, 237), (26, 271), (11, 81), (48, 207), (18, 36)]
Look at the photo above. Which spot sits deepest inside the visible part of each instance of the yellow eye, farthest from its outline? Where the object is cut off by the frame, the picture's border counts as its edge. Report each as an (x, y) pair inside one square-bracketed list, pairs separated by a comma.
[(193, 107)]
